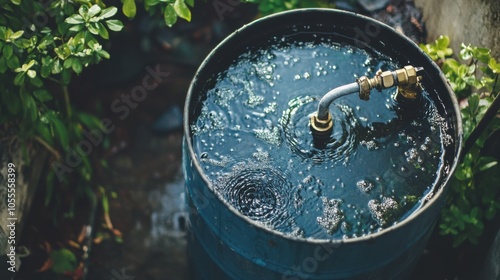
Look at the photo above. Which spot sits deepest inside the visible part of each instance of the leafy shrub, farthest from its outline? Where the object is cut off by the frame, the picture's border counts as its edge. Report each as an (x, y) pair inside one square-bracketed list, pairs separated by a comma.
[(474, 193)]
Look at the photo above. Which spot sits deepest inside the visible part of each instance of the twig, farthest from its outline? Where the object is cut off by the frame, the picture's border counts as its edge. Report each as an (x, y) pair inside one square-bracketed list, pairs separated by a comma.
[(48, 147), (66, 100)]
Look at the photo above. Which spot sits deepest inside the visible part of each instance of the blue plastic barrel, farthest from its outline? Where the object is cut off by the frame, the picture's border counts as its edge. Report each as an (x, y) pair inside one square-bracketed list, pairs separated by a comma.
[(223, 244)]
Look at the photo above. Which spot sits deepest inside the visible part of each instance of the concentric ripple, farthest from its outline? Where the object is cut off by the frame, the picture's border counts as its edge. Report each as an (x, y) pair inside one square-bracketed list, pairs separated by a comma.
[(262, 194), (340, 144)]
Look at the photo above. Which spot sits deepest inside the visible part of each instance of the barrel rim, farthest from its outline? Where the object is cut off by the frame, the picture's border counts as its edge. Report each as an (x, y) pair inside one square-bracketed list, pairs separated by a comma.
[(432, 197)]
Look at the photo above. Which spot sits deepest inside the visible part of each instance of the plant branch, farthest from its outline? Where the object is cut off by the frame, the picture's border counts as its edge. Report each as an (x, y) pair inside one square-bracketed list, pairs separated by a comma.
[(48, 147), (54, 80), (66, 101)]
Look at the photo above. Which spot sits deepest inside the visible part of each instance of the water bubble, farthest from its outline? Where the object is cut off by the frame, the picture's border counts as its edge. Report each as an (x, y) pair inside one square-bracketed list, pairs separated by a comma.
[(370, 145), (385, 212), (332, 215), (271, 107), (270, 135), (365, 185), (254, 100)]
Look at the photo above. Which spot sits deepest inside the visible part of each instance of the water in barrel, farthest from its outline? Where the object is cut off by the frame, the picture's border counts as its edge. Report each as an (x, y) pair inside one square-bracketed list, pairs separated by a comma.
[(253, 140)]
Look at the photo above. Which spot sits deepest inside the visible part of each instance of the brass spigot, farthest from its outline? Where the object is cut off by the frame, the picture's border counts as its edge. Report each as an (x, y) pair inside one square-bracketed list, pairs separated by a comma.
[(407, 80)]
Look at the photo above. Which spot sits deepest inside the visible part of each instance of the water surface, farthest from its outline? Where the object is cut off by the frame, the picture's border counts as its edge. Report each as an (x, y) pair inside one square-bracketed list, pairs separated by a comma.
[(253, 141)]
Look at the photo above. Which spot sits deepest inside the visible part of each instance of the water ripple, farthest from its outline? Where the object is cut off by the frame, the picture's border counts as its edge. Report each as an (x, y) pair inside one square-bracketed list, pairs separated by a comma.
[(338, 147)]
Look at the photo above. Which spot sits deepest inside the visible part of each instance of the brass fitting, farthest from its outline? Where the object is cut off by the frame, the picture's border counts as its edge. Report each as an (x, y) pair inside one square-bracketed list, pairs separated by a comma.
[(409, 88), (406, 79), (321, 127)]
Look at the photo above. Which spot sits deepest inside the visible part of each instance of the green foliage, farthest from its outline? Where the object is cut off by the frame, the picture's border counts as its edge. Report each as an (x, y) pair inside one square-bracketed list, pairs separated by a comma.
[(40, 57), (439, 49), (171, 10), (267, 7), (474, 195), (63, 261), (476, 71)]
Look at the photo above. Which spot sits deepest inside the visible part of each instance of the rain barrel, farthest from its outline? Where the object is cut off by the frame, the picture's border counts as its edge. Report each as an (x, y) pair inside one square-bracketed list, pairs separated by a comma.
[(224, 244)]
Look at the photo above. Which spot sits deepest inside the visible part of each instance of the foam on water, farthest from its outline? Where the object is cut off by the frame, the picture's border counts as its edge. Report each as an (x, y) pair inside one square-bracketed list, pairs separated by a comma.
[(252, 136)]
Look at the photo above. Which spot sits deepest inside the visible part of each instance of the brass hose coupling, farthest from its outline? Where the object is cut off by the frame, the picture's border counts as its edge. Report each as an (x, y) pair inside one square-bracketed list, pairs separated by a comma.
[(407, 79)]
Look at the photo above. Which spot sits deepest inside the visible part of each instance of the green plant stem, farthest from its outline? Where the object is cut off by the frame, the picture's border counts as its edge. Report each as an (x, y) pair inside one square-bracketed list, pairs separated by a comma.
[(66, 101), (481, 126), (48, 147)]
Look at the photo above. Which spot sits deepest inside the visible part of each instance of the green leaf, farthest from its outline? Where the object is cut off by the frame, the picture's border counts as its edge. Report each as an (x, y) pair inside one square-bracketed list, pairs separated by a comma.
[(30, 64), (22, 43), (482, 54), (7, 51), (494, 66), (31, 73), (485, 163), (93, 28), (45, 133), (19, 79), (90, 121), (61, 132), (42, 95), (76, 28), (182, 10), (13, 101), (83, 11), (129, 9), (150, 3), (3, 65), (443, 42), (76, 66), (13, 62), (103, 54), (105, 202), (16, 2), (68, 62), (63, 261), (30, 107), (103, 32), (108, 12), (56, 67), (463, 173), (75, 19), (94, 10), (465, 52), (114, 24), (190, 3), (169, 15), (473, 102), (47, 63), (16, 35), (65, 77)]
